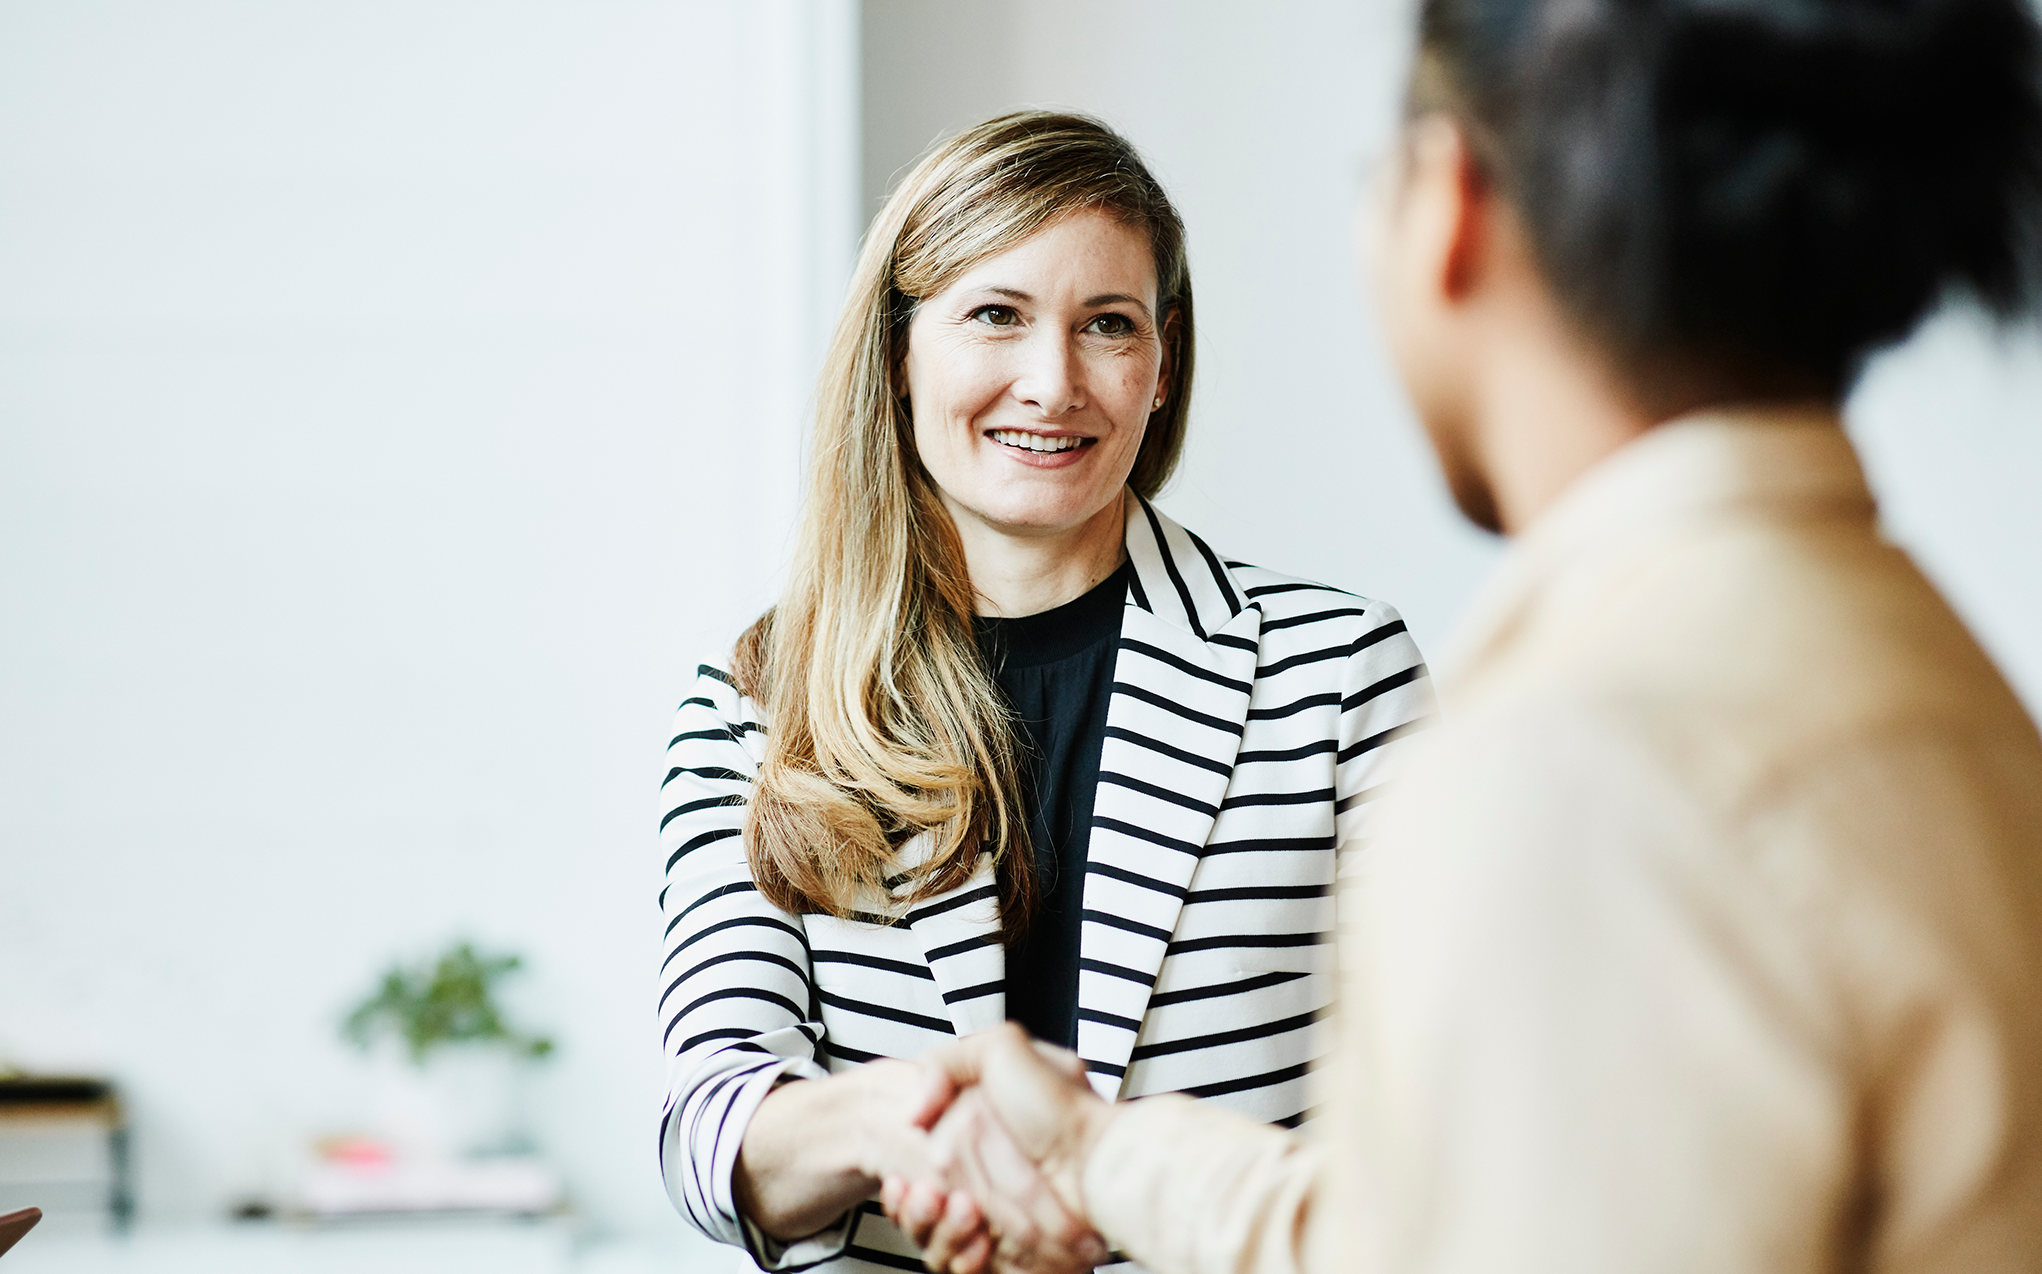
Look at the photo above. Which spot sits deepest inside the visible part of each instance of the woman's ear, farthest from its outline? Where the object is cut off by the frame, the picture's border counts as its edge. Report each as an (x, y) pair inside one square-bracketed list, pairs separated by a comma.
[(1473, 211), (1166, 374), (898, 345), (1434, 267), (1441, 210)]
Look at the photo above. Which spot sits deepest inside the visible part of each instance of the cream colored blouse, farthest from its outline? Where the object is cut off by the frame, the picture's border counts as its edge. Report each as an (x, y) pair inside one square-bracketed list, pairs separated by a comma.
[(1705, 935)]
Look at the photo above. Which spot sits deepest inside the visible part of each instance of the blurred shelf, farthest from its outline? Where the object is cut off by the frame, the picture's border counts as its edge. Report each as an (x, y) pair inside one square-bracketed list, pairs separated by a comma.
[(63, 1148)]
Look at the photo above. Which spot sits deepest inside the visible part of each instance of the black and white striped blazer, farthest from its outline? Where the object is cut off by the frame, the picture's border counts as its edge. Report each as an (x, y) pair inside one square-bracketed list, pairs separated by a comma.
[(1253, 718)]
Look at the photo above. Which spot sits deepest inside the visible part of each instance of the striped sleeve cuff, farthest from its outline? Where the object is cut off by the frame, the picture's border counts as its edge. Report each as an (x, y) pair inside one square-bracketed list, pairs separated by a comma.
[(785, 1258), (699, 1153)]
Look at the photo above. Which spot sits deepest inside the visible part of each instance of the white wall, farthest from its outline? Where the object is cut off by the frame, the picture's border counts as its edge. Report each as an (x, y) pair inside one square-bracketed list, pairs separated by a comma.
[(1950, 429), (395, 398), (1262, 121)]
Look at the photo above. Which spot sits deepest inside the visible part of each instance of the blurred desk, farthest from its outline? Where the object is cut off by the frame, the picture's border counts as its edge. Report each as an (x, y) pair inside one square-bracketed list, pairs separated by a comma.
[(423, 1246)]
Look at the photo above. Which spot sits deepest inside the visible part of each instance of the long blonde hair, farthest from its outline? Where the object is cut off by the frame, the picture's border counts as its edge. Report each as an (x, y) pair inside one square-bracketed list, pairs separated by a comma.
[(883, 720)]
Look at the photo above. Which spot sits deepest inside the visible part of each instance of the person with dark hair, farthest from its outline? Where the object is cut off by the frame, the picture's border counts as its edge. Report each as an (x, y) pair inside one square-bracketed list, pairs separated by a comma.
[(1704, 933)]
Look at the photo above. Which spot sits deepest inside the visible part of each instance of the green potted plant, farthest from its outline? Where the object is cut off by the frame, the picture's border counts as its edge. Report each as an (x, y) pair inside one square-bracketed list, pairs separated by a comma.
[(448, 1053)]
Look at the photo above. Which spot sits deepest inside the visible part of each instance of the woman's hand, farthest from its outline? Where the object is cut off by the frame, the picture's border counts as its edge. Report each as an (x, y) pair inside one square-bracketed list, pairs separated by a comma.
[(1027, 1188), (946, 1224), (817, 1147)]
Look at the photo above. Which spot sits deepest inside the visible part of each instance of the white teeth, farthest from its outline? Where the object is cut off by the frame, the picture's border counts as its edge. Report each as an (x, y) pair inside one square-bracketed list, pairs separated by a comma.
[(1034, 442)]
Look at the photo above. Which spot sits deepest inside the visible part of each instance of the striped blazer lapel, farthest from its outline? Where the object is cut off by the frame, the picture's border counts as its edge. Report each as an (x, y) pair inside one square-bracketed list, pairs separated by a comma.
[(1182, 681), (959, 933)]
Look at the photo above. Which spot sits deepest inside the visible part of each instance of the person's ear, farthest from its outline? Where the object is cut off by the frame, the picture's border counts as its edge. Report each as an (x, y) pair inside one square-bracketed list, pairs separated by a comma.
[(1474, 209), (1433, 262), (897, 347), (1444, 208), (1173, 332)]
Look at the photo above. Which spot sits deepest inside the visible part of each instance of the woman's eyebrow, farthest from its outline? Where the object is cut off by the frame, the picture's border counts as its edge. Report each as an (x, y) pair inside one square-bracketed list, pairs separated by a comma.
[(1090, 302)]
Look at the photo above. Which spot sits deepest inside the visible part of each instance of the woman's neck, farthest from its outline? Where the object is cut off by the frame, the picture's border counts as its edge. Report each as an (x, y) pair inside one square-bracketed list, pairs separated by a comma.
[(1016, 575)]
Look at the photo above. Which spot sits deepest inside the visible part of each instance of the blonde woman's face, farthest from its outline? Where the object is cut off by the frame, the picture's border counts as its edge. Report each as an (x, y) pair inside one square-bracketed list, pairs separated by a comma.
[(1032, 377)]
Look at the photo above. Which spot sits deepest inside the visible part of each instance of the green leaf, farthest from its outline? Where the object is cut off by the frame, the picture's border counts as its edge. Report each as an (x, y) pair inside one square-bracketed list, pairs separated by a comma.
[(449, 1002)]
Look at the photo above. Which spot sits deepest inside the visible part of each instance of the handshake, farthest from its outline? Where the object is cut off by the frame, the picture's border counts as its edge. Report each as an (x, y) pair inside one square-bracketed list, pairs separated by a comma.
[(999, 1184)]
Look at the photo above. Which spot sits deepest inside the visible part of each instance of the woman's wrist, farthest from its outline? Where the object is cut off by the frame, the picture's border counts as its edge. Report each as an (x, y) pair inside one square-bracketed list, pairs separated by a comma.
[(873, 1117), (816, 1147), (801, 1162), (1065, 1169)]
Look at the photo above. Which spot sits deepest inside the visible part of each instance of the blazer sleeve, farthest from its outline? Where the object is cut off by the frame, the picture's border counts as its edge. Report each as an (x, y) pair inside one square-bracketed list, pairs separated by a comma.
[(737, 1006), (1385, 697)]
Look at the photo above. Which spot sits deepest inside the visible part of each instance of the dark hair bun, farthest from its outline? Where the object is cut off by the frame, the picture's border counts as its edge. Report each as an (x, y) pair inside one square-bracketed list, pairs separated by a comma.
[(1771, 188)]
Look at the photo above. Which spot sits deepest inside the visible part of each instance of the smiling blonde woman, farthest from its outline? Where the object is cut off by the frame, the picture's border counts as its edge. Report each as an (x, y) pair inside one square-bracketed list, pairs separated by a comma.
[(1013, 745)]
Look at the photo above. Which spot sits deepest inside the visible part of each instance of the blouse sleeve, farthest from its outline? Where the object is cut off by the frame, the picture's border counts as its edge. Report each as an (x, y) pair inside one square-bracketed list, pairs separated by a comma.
[(1385, 697), (737, 1006)]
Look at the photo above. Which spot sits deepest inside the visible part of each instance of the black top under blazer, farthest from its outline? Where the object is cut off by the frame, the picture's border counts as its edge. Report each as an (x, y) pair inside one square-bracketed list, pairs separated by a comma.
[(1253, 718)]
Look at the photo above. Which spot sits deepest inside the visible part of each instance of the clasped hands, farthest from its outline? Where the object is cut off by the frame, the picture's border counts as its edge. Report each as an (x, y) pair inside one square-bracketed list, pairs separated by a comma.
[(1011, 1123)]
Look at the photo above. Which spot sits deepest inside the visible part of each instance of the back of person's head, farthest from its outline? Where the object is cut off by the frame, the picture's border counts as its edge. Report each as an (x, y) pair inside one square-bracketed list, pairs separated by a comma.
[(1752, 195)]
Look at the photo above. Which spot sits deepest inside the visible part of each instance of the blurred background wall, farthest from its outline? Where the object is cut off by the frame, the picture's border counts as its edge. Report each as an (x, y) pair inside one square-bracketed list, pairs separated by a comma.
[(396, 399)]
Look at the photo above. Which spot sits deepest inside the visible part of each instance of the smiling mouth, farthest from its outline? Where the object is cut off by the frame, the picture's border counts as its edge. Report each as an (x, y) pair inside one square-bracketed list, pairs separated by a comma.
[(1037, 442)]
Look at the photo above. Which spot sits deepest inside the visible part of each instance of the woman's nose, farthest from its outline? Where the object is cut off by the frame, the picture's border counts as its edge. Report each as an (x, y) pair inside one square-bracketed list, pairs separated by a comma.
[(1052, 380)]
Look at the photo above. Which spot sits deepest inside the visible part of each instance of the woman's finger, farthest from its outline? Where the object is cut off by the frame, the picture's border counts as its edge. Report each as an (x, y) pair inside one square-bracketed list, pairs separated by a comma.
[(976, 1257), (912, 1206), (925, 1205), (1067, 1063), (935, 1090), (949, 1070), (952, 1239)]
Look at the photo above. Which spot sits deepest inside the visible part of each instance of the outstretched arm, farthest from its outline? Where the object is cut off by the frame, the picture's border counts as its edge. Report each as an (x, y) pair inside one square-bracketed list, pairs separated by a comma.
[(1188, 1187)]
